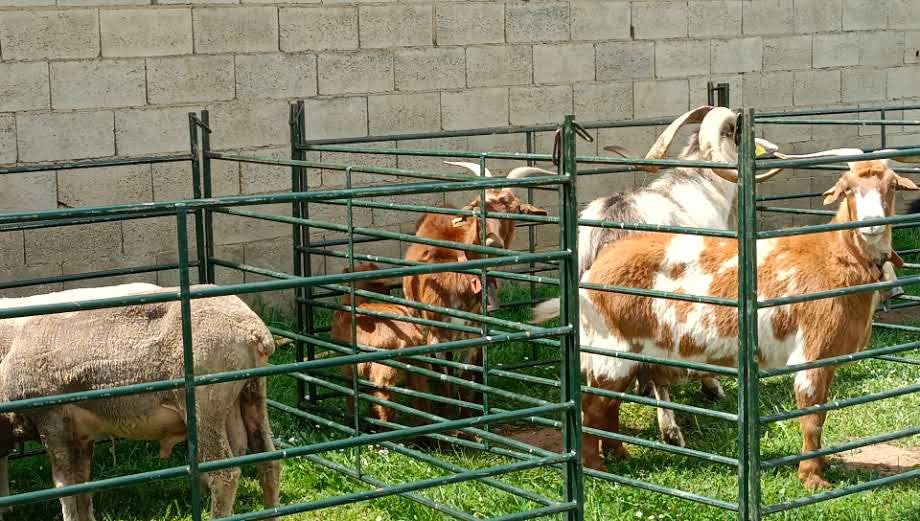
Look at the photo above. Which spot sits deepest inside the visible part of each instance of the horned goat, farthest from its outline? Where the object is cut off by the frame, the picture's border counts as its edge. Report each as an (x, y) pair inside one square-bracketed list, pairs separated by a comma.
[(684, 196), (92, 349), (789, 334)]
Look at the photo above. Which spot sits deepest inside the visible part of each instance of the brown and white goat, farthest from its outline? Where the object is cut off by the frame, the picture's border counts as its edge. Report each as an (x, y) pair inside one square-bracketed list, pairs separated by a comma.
[(790, 334), (381, 333)]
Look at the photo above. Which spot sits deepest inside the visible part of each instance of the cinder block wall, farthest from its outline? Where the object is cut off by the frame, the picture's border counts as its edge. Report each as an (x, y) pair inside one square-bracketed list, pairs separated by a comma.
[(99, 78)]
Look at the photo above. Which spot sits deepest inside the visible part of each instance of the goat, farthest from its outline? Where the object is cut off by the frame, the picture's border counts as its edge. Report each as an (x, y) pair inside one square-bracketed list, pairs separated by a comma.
[(692, 197), (84, 350), (463, 291), (790, 334), (381, 333)]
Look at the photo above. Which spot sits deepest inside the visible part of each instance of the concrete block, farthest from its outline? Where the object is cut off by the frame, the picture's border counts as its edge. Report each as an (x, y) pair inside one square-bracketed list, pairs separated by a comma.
[(104, 186), (235, 29), (173, 181), (625, 60), (902, 83), (355, 72), (318, 28), (338, 178), (769, 89), (23, 86), (466, 23), (21, 273), (881, 48), (496, 65), (912, 47), (661, 98), (474, 108), (98, 84), (232, 229), (431, 164), (391, 218), (275, 75), (56, 245), (563, 63), (681, 58), (151, 131), (835, 50), (128, 260), (812, 16), (7, 139), (146, 32), (600, 20), (864, 85), (66, 135), (395, 25), (737, 55), (404, 113), (263, 179), (12, 250), (785, 53), (431, 68), (904, 14), (604, 101), (768, 17), (244, 125), (189, 79), (655, 20), (29, 192), (277, 256), (148, 237), (336, 117), (537, 105), (816, 87), (537, 22), (57, 34), (863, 15), (715, 19)]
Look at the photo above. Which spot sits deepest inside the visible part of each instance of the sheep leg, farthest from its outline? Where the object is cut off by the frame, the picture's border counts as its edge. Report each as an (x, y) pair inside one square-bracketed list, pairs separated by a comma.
[(667, 420), (811, 388), (254, 412), (214, 445), (71, 459)]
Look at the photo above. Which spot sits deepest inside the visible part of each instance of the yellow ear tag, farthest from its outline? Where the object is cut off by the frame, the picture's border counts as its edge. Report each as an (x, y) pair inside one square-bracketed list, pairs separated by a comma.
[(759, 150)]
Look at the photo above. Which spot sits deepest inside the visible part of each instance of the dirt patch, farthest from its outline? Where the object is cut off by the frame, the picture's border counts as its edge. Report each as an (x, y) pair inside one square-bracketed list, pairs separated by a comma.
[(544, 438), (899, 316), (883, 458)]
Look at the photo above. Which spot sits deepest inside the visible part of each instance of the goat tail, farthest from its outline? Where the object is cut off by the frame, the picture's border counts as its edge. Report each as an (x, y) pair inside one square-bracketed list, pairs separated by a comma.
[(914, 206), (545, 311)]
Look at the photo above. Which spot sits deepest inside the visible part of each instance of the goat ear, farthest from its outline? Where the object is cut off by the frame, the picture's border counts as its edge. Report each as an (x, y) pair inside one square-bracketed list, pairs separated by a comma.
[(475, 285), (905, 183), (529, 209), (831, 196)]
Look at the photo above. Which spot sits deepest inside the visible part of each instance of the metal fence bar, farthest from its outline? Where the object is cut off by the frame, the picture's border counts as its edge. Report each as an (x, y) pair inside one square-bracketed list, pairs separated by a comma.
[(94, 163)]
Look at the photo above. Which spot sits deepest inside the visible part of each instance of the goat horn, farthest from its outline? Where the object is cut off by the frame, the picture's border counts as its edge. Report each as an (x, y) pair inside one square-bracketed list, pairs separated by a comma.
[(824, 153), (528, 171), (660, 149), (711, 139), (620, 151), (473, 167)]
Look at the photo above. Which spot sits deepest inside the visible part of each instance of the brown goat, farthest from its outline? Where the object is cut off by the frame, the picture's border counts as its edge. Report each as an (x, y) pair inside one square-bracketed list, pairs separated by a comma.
[(381, 333)]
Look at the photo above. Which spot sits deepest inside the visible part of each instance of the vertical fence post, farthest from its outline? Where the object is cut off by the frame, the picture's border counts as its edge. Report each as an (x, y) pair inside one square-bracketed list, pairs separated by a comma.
[(484, 282), (188, 359), (306, 318), (296, 111), (748, 370), (531, 237), (195, 152), (208, 192), (571, 364), (883, 134)]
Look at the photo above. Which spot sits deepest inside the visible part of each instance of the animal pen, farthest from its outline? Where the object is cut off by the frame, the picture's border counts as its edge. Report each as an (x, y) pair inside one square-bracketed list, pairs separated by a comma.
[(549, 362)]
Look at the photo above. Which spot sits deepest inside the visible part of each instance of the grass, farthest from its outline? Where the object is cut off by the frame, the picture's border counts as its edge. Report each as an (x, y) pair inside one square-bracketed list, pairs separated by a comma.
[(304, 481)]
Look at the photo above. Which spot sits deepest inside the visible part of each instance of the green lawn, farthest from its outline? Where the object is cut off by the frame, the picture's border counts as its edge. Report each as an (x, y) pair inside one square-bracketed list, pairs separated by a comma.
[(305, 481)]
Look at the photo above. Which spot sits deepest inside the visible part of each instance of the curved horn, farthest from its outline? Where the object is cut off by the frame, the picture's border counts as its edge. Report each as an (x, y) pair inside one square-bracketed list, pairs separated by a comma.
[(620, 151), (659, 150), (472, 167), (823, 153), (711, 140), (528, 171)]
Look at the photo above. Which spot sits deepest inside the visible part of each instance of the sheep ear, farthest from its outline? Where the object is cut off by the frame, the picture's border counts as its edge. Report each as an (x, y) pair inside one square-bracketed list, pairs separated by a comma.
[(905, 183), (831, 196)]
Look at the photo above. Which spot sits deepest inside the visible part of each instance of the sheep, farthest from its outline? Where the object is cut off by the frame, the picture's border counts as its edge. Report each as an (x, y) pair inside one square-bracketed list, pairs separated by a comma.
[(381, 333), (91, 349), (685, 196), (790, 334)]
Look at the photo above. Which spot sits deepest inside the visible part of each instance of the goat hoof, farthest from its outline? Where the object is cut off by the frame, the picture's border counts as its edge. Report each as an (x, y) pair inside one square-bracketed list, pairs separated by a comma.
[(673, 436), (595, 464), (816, 482)]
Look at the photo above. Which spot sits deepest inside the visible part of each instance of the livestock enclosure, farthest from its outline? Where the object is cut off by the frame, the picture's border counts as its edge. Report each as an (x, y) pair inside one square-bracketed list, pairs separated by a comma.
[(492, 462)]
